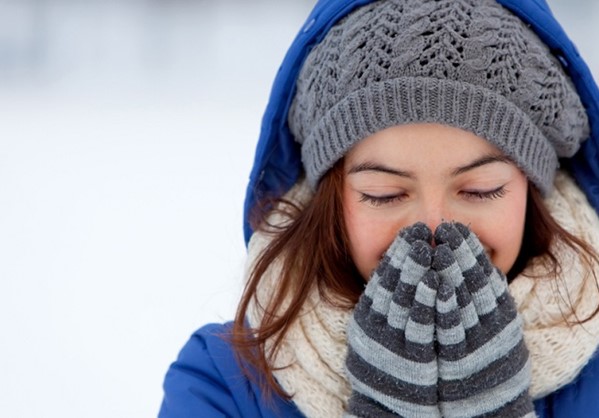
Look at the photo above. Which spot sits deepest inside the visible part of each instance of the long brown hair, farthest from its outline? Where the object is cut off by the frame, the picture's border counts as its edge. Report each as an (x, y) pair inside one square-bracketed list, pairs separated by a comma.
[(314, 251)]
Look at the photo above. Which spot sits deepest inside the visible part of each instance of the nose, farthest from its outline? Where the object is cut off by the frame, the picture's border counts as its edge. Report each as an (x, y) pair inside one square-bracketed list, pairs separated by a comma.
[(434, 211)]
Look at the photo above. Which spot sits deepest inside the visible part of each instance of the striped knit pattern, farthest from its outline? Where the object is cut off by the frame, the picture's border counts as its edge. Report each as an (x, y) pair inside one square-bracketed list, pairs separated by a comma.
[(391, 362), (483, 363), (436, 333)]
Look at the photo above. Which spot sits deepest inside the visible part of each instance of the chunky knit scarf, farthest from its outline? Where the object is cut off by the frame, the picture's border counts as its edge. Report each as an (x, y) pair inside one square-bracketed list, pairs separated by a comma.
[(310, 361)]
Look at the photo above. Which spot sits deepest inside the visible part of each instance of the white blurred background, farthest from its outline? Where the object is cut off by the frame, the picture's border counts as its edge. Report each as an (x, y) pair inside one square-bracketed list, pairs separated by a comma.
[(127, 132)]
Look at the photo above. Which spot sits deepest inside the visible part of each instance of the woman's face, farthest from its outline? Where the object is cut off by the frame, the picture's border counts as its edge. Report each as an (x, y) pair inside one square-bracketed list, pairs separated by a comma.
[(431, 173)]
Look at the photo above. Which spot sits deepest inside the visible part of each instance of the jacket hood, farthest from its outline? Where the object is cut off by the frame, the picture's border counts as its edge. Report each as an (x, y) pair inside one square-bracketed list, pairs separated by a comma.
[(277, 161)]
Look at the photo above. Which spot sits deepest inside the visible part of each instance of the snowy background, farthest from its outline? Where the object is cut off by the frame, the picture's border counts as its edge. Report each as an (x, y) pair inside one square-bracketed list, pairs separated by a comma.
[(127, 131)]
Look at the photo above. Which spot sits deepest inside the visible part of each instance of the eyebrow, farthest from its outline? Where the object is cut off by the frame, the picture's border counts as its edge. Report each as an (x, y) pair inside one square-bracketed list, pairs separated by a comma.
[(381, 168), (484, 160)]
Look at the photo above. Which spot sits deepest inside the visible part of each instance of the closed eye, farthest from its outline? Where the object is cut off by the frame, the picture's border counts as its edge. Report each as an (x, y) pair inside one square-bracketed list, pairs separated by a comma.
[(382, 200), (482, 195)]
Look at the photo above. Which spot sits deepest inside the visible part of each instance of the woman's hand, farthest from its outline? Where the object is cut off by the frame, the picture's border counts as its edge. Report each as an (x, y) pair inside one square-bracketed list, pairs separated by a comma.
[(392, 363), (482, 359)]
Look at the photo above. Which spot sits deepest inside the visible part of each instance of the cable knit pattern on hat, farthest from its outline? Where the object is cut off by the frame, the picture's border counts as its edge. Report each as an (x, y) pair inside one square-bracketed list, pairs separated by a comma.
[(466, 63), (314, 350)]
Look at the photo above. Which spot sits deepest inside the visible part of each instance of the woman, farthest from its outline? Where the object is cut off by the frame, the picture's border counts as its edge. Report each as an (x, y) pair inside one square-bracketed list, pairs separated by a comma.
[(430, 258)]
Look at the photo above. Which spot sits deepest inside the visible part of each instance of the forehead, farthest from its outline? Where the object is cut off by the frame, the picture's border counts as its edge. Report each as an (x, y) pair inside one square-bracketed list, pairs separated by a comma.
[(421, 144)]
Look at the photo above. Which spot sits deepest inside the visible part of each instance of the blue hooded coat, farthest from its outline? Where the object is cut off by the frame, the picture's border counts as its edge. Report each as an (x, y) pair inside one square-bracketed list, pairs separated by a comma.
[(206, 380)]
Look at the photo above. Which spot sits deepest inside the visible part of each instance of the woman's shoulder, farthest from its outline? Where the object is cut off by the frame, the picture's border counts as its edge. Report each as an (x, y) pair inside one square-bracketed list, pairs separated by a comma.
[(577, 399), (207, 380)]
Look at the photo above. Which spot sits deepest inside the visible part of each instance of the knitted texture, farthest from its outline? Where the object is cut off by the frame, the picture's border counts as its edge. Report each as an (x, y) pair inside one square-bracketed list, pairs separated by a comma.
[(310, 361), (484, 365), (470, 64), (391, 361), (559, 352), (436, 333)]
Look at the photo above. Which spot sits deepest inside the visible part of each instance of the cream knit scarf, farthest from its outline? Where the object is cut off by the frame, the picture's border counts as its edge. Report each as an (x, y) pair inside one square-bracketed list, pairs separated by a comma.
[(313, 353)]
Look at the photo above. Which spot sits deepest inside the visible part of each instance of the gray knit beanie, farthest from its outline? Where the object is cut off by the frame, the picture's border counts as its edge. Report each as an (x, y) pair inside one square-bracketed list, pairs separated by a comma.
[(470, 64)]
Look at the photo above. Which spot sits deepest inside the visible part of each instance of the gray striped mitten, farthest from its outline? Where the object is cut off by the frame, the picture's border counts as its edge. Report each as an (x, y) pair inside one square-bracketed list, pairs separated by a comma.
[(484, 368), (391, 362)]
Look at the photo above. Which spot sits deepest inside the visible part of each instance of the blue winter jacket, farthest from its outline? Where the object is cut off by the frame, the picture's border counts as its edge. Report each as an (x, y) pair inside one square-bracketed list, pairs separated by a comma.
[(206, 380)]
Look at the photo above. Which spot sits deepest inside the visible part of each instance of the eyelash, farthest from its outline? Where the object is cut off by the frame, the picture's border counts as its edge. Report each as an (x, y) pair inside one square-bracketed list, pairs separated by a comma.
[(475, 195), (497, 193), (381, 200)]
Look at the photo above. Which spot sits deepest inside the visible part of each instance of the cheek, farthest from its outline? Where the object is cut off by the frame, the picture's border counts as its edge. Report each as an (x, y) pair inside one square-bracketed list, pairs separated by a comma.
[(369, 238), (503, 236)]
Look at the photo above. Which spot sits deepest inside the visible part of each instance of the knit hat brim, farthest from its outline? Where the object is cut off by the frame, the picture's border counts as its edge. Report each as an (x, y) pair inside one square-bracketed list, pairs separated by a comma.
[(405, 100)]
